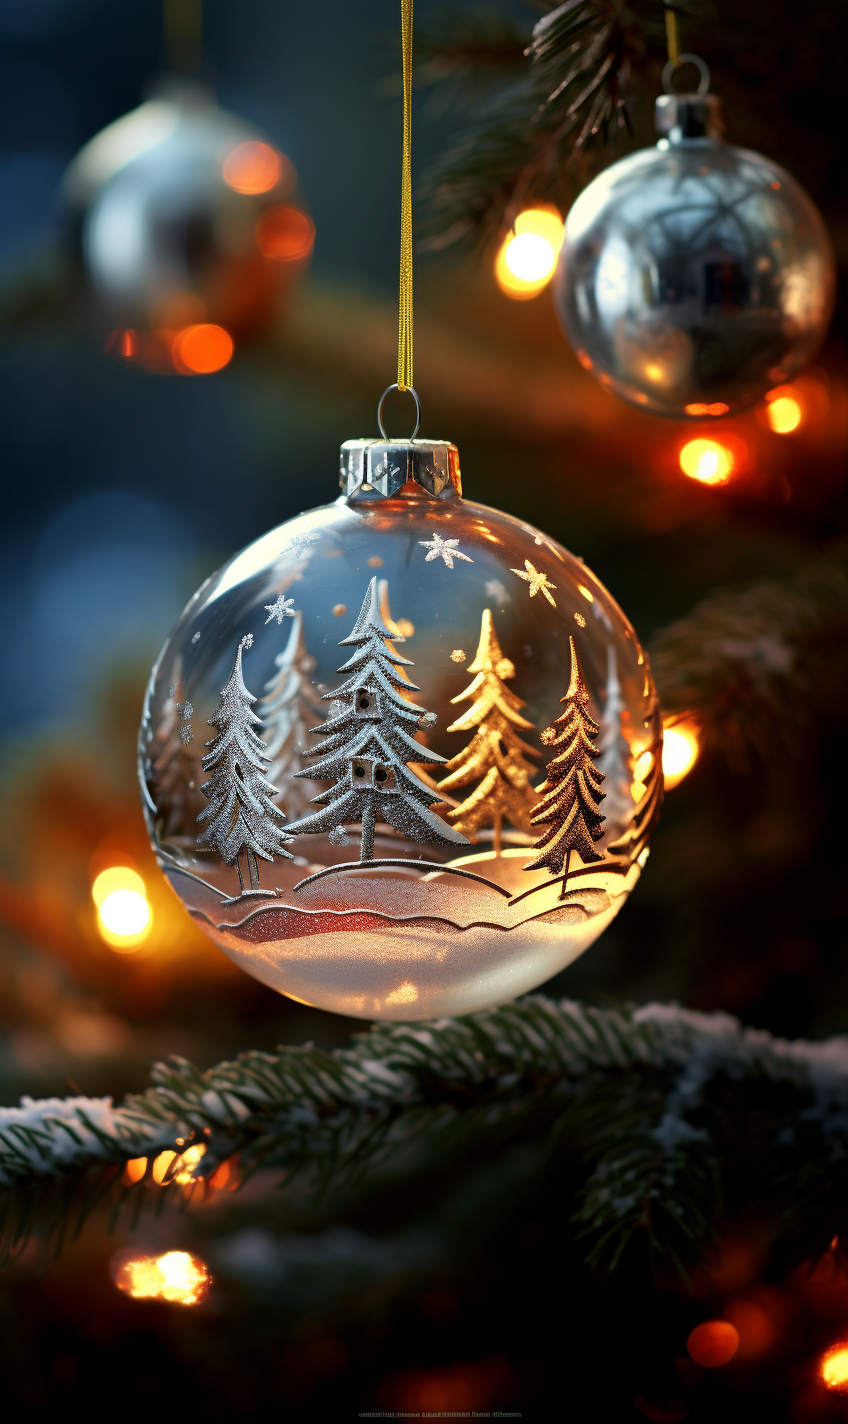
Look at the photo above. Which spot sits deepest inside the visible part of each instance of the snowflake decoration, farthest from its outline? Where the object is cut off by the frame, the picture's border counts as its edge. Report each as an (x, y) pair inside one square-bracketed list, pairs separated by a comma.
[(536, 580), (580, 620), (301, 542), (196, 638), (339, 837), (443, 549), (186, 734), (172, 690), (457, 656), (247, 641), (283, 608), (185, 710), (548, 736)]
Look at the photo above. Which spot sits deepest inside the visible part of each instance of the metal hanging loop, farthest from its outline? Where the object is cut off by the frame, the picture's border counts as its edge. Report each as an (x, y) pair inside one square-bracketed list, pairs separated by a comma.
[(395, 387), (674, 64)]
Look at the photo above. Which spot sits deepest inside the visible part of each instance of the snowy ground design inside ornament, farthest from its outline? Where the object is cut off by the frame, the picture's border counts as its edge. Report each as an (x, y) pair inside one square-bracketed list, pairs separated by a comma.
[(694, 276), (376, 825)]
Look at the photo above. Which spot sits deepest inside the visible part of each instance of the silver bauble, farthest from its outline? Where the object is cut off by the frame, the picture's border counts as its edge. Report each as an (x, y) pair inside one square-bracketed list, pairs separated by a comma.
[(184, 215), (694, 276)]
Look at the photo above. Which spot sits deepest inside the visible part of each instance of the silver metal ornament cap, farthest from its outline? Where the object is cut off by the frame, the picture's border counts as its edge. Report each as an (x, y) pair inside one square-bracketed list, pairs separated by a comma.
[(682, 116), (686, 116), (399, 469)]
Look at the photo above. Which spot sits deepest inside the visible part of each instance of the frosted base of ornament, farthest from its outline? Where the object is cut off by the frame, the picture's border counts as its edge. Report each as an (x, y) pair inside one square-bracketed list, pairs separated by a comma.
[(398, 944)]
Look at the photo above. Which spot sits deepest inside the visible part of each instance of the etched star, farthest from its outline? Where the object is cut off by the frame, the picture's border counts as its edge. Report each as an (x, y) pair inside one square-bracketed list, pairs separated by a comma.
[(247, 641), (446, 549), (536, 580), (302, 541), (283, 608)]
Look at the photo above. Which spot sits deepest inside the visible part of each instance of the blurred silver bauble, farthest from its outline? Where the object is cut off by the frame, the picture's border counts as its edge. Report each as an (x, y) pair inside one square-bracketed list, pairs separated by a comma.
[(694, 276), (184, 218)]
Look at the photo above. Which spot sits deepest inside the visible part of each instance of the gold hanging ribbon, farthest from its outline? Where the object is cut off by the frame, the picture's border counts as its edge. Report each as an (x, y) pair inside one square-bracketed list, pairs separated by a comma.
[(671, 35), (404, 378), (182, 23)]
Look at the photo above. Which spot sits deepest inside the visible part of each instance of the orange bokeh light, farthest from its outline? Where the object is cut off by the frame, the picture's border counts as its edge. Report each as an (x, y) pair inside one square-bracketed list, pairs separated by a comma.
[(716, 408), (681, 750), (285, 234), (202, 349), (527, 258), (833, 1367), (254, 167), (784, 411), (713, 1343), (174, 1276), (708, 461)]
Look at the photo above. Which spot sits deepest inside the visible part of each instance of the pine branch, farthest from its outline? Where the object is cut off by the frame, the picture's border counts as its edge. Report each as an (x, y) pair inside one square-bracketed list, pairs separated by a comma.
[(760, 667), (668, 1113), (528, 136)]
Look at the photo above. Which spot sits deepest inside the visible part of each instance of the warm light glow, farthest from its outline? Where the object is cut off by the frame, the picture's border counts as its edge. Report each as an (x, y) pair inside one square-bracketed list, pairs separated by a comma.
[(117, 877), (654, 371), (707, 461), (834, 1368), (285, 234), (713, 1344), (134, 1170), (784, 412), (177, 1166), (404, 994), (680, 752), (254, 167), (528, 255), (175, 1276), (124, 917), (714, 408), (201, 349)]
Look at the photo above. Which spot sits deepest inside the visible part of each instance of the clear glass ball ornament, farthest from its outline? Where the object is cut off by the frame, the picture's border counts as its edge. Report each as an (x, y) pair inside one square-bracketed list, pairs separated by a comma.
[(694, 276), (345, 735), (185, 214)]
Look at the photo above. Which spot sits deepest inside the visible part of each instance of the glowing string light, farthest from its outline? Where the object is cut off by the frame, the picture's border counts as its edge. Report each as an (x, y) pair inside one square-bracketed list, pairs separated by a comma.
[(784, 412), (833, 1368), (124, 917), (707, 461), (175, 1276), (528, 255), (680, 752)]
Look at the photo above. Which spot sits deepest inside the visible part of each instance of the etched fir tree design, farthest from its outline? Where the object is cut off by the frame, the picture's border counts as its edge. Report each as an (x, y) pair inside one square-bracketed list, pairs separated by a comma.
[(240, 813), (572, 790), (368, 743), (289, 709), (616, 760), (496, 755)]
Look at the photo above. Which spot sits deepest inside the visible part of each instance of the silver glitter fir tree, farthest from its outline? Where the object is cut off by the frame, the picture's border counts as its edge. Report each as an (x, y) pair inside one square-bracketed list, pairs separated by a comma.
[(368, 743), (240, 813)]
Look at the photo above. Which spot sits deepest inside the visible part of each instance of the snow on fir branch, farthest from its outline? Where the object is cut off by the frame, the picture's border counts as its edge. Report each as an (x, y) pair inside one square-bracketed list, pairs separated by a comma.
[(674, 1118), (761, 665)]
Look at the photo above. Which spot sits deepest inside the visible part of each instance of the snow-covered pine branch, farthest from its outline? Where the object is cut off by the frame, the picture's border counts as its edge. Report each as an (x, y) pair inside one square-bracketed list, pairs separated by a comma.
[(670, 1113)]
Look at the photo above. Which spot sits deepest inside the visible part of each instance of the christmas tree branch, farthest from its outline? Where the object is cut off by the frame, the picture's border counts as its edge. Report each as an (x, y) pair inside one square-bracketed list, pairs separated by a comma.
[(529, 131), (760, 666), (673, 1118)]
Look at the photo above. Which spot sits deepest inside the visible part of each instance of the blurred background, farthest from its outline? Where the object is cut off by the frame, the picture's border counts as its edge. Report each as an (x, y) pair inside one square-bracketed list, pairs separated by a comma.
[(140, 446)]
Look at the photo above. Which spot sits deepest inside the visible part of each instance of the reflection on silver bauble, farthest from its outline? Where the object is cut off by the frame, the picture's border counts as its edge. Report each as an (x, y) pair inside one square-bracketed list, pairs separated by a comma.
[(484, 609), (169, 204), (694, 276)]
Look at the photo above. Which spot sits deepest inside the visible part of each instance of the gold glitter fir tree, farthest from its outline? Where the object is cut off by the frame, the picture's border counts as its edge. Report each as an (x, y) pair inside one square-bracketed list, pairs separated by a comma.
[(572, 790), (496, 755)]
